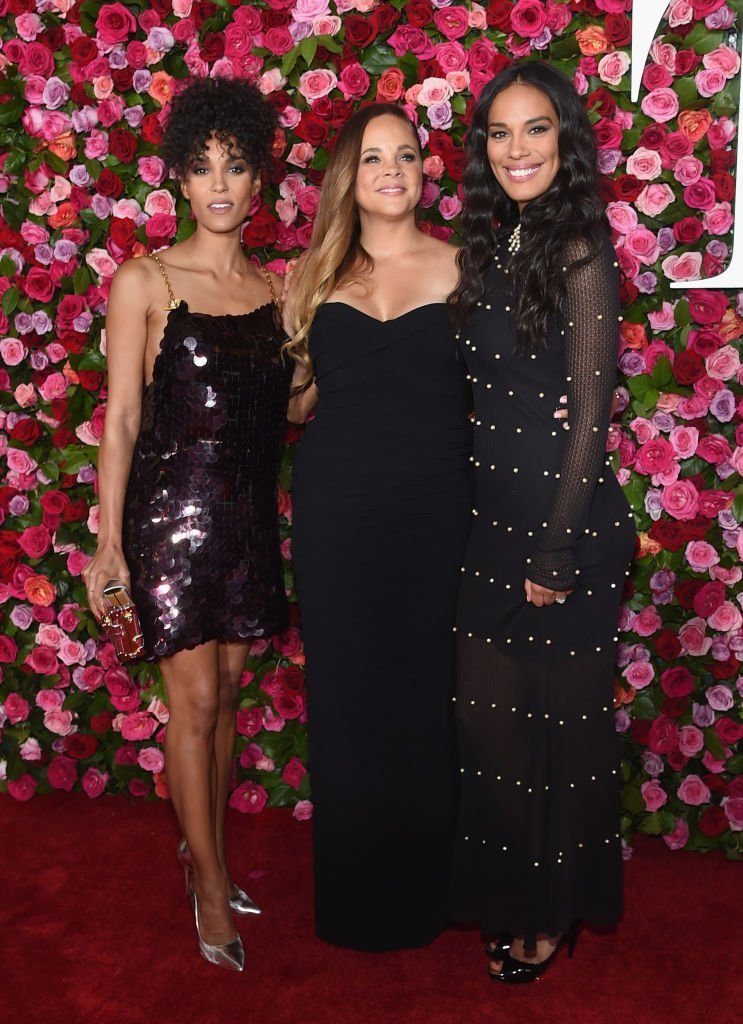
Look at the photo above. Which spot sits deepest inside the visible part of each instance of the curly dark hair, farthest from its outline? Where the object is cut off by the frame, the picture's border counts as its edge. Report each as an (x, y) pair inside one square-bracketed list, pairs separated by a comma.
[(570, 209), (226, 108)]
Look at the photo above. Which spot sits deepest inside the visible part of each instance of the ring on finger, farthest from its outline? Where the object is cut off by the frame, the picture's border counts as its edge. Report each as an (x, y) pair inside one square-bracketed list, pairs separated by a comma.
[(560, 599)]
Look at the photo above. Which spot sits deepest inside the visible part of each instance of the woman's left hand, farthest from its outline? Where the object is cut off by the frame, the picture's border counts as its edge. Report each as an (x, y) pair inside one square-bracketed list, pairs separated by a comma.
[(540, 596)]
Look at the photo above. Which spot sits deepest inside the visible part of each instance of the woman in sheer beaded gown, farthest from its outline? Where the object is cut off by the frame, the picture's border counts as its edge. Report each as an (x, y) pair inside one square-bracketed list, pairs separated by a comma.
[(537, 846), (382, 499), (188, 465)]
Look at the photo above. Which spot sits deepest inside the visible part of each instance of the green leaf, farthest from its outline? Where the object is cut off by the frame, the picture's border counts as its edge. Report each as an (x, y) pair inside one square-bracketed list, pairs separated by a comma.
[(701, 40), (11, 111), (329, 43), (10, 300), (7, 267), (289, 60), (714, 744), (662, 373), (56, 163), (50, 469), (308, 49), (377, 59), (639, 385)]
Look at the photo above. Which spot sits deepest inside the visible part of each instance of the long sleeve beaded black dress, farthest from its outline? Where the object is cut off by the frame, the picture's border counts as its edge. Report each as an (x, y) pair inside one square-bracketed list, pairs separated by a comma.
[(200, 530), (537, 843), (382, 500)]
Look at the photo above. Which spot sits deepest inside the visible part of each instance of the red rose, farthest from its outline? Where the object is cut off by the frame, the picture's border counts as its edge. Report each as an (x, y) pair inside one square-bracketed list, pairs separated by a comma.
[(419, 12), (653, 136), (686, 61), (360, 32), (102, 722), (123, 233), (37, 60), (663, 735), (39, 285), (677, 681), (122, 78), (293, 773), (724, 185), (62, 773), (262, 230), (151, 129), (728, 730), (455, 162), (10, 553), (667, 534), (312, 129), (27, 431), (721, 159), (713, 822), (628, 187), (212, 47), (122, 144), (498, 14), (75, 511), (667, 645), (687, 231), (91, 380), (109, 184), (686, 591), (702, 8), (725, 669), (603, 102), (675, 707), (68, 310), (83, 50), (677, 761), (708, 598), (80, 745), (688, 367), (293, 679), (707, 307), (617, 29)]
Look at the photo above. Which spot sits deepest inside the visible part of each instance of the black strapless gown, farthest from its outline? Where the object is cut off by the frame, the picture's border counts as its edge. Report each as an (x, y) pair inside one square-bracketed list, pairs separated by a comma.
[(382, 498), (200, 519)]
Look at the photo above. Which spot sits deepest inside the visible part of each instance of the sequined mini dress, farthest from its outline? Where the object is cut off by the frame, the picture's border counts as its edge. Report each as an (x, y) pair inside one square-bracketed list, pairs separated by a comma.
[(537, 842), (200, 529)]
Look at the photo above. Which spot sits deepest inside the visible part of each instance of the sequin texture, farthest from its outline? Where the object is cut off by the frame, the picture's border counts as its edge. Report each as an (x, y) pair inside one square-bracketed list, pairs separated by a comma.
[(200, 518)]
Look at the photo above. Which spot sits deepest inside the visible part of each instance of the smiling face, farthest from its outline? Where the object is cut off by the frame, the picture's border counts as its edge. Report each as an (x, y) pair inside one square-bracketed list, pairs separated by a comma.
[(522, 147), (220, 186), (389, 178)]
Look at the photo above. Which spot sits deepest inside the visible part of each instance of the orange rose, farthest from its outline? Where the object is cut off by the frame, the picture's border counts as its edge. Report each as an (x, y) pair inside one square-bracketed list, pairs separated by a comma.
[(64, 216), (161, 87), (633, 335), (731, 325), (161, 785), (694, 123), (64, 146), (623, 694), (39, 590), (592, 41), (390, 85), (279, 141)]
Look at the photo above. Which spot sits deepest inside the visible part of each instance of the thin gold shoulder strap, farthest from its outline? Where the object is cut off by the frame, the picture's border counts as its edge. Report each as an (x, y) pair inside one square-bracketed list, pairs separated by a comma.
[(173, 304), (269, 282)]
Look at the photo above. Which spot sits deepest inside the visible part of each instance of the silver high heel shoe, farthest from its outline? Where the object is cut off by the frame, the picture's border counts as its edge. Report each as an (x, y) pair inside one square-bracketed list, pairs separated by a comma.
[(240, 902), (230, 955)]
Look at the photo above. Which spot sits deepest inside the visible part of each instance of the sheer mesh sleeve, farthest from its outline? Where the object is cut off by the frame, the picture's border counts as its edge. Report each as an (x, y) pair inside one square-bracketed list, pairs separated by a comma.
[(591, 349)]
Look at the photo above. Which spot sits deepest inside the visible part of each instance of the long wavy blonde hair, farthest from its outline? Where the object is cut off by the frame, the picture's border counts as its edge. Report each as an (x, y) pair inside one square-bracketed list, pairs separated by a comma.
[(335, 253)]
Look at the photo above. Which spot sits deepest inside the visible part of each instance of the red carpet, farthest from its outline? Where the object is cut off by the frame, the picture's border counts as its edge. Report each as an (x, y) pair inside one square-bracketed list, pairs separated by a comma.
[(95, 928)]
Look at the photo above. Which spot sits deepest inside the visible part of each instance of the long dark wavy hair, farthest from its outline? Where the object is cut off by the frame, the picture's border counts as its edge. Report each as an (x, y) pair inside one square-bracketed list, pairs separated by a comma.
[(570, 209)]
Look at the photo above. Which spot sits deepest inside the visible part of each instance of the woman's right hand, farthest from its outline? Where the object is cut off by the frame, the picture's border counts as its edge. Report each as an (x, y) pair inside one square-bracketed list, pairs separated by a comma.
[(107, 564)]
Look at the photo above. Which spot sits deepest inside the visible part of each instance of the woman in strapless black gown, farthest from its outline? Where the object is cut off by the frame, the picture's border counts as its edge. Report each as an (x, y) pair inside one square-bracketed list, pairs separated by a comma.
[(537, 843), (381, 500), (187, 472)]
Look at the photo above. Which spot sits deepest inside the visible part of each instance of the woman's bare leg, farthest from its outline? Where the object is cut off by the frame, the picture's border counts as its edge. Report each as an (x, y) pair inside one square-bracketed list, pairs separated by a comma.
[(192, 681), (231, 665)]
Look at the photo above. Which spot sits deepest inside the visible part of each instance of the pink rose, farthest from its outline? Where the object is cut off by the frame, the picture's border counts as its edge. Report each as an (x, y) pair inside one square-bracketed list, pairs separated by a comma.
[(719, 698), (12, 351), (301, 154), (49, 700), (710, 81), (733, 808), (701, 556), (686, 267), (700, 195), (249, 721), (8, 650), (661, 105), (94, 782), (645, 164), (647, 621), (303, 810), (723, 364), (138, 726), (317, 83), (354, 81), (59, 722), (656, 456), (35, 541), (72, 652), (654, 795), (622, 217), (293, 773), (22, 788), (151, 759), (691, 740), (677, 839), (643, 244), (639, 674), (727, 618), (693, 639), (159, 201), (529, 18), (16, 708), (654, 199), (43, 661), (613, 67), (693, 791), (434, 90), (115, 23), (62, 773), (248, 798), (680, 500), (688, 170)]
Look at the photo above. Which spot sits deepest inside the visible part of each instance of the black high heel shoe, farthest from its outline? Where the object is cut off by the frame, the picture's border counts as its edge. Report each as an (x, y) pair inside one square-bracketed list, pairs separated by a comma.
[(518, 972), (501, 944)]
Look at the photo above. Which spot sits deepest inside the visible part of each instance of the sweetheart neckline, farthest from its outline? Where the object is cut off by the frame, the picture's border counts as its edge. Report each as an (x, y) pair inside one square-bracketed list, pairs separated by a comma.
[(392, 319)]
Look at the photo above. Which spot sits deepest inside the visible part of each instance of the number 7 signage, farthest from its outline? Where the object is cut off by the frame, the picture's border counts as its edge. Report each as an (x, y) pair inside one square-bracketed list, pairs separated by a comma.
[(646, 16)]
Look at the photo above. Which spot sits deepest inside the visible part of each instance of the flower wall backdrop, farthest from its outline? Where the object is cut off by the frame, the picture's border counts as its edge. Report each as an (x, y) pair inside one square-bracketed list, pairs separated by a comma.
[(84, 87)]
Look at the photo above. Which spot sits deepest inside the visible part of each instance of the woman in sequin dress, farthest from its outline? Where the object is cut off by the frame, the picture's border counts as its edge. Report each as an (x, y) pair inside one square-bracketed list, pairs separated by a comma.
[(537, 845), (187, 470), (382, 499)]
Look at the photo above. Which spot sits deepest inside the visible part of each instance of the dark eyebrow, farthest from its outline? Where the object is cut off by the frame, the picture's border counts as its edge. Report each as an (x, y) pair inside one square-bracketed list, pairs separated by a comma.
[(532, 120)]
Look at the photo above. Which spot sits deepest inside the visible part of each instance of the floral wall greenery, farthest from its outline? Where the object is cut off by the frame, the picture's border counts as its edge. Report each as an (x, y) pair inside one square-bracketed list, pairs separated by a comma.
[(84, 87)]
